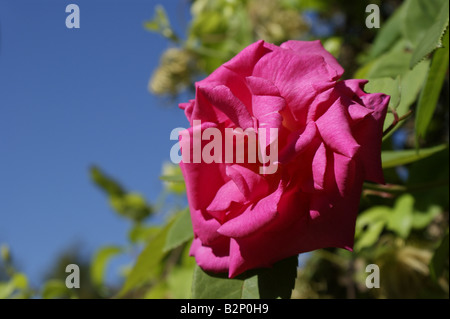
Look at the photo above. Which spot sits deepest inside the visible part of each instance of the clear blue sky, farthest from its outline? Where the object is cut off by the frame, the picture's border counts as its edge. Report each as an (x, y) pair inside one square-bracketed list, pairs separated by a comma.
[(70, 98)]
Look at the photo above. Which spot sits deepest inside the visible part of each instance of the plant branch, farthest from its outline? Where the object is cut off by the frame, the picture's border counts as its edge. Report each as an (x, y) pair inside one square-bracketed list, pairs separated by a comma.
[(397, 120)]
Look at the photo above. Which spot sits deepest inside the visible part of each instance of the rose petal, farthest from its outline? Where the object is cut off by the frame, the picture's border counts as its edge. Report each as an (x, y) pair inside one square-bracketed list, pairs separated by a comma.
[(335, 130), (316, 48), (222, 98), (227, 194), (254, 217), (249, 183), (215, 259), (319, 165)]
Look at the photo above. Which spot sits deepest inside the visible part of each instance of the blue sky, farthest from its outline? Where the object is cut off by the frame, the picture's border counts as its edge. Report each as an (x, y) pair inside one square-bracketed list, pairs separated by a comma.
[(70, 98)]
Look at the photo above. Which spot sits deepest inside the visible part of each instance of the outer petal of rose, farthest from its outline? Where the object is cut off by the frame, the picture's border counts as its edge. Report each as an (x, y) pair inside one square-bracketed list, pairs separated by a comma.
[(188, 108), (261, 86), (264, 105), (254, 218), (358, 112), (352, 88), (319, 165), (316, 48), (249, 183), (344, 172), (244, 62), (211, 259), (298, 142), (205, 226), (369, 133), (333, 229), (196, 175), (225, 195), (222, 98), (335, 130)]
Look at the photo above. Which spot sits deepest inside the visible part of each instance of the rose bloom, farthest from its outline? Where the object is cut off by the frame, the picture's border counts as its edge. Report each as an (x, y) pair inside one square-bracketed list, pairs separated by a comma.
[(329, 142)]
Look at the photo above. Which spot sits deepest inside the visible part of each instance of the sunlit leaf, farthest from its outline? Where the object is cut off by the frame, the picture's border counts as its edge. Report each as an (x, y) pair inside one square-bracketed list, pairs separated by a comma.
[(106, 183), (397, 158), (389, 33), (370, 236), (430, 94), (100, 262), (180, 232), (275, 282), (6, 289), (142, 233), (55, 288), (432, 38), (370, 225), (148, 262), (387, 86), (401, 218), (421, 219), (390, 64), (420, 15)]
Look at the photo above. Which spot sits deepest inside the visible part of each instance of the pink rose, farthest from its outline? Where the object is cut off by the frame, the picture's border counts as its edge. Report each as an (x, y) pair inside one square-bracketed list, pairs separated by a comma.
[(329, 141)]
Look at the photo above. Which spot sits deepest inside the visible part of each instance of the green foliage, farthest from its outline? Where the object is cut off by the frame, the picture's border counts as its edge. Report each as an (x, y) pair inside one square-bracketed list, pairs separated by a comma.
[(56, 289), (147, 265), (275, 282), (430, 94), (432, 37), (180, 232), (100, 262), (130, 205), (397, 158)]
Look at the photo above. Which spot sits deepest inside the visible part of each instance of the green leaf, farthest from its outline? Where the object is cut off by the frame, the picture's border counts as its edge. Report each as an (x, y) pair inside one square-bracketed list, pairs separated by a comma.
[(389, 33), (432, 38), (20, 281), (180, 282), (397, 158), (370, 225), (370, 216), (142, 233), (440, 258), (106, 183), (391, 64), (410, 85), (160, 21), (180, 279), (132, 206), (55, 288), (430, 94), (421, 220), (6, 289), (370, 236), (420, 15), (400, 220), (148, 262), (387, 86), (265, 283), (100, 262), (180, 232), (172, 178)]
